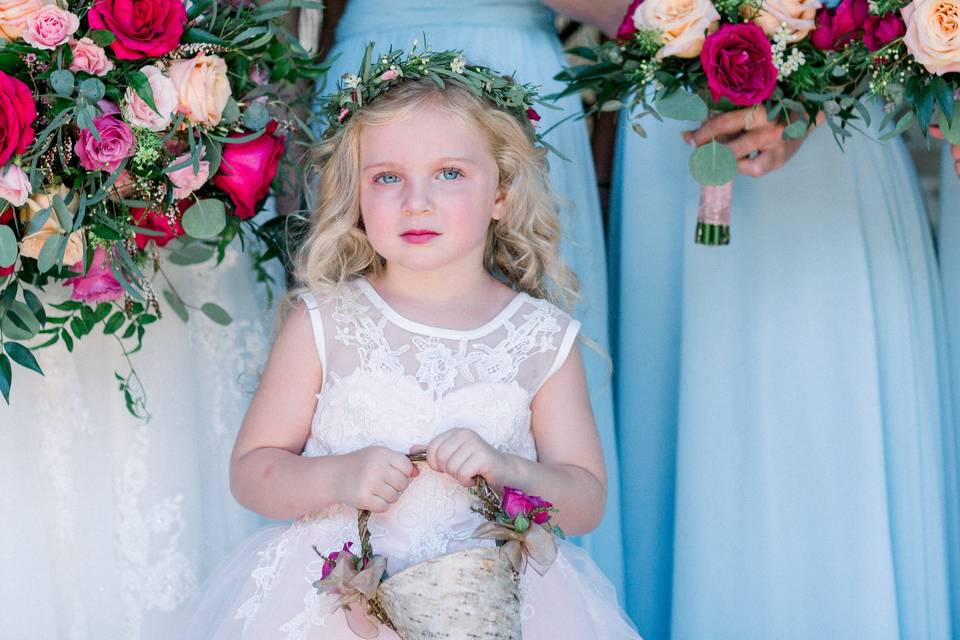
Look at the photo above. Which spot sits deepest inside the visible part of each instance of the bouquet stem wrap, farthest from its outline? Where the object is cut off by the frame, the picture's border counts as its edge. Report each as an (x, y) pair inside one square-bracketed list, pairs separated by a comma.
[(713, 217)]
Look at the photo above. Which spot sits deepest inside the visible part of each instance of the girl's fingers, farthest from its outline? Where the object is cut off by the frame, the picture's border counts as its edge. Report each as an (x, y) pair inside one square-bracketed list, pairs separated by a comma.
[(396, 479), (457, 459), (387, 493)]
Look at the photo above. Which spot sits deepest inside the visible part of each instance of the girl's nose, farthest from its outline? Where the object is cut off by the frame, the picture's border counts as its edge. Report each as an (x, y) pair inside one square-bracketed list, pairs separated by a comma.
[(417, 200)]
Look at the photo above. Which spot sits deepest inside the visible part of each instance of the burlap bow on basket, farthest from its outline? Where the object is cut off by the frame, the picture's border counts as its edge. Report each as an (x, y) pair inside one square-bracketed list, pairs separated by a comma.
[(472, 594)]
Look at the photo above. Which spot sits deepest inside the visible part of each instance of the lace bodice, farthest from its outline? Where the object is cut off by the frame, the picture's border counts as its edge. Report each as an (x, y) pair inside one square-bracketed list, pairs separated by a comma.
[(393, 382)]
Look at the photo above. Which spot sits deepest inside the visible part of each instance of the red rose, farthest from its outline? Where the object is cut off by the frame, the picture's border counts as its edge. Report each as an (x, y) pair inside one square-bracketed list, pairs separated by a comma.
[(836, 27), (879, 31), (17, 113), (169, 224), (5, 271), (738, 62), (541, 509), (144, 28), (248, 168), (627, 27), (533, 115), (6, 215)]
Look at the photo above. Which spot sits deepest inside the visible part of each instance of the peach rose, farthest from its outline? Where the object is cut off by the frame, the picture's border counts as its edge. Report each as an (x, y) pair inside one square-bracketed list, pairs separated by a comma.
[(683, 24), (933, 34), (89, 57), (140, 114), (14, 15), (31, 245), (184, 180), (14, 185), (797, 17), (50, 27), (202, 87)]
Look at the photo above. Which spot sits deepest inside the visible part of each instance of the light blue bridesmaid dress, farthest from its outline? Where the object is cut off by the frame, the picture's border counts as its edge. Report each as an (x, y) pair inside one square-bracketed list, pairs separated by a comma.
[(782, 399), (949, 254), (519, 37)]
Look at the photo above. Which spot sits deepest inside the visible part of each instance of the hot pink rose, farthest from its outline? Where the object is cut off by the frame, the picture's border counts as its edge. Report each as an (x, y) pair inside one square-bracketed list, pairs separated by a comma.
[(836, 27), (89, 57), (97, 284), (14, 185), (7, 270), (627, 26), (50, 27), (17, 113), (516, 503), (738, 62), (879, 31), (331, 560), (248, 168), (116, 143), (541, 509), (533, 115), (184, 180), (144, 28), (167, 223)]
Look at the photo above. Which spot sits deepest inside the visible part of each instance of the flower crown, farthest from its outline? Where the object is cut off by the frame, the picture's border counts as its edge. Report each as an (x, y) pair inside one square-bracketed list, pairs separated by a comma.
[(376, 76)]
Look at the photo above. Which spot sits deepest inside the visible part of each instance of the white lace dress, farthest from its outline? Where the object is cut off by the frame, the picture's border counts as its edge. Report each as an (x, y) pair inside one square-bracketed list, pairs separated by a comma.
[(393, 382)]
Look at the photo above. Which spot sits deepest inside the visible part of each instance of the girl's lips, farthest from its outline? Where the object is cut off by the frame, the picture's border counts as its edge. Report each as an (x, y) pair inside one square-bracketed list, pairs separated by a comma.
[(419, 236)]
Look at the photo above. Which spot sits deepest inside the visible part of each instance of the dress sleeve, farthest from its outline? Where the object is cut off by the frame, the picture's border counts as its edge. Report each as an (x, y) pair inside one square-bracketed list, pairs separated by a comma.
[(567, 340)]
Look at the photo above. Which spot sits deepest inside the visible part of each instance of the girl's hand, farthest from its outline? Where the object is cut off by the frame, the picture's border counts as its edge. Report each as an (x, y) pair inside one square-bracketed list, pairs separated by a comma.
[(954, 149), (756, 142), (380, 476), (463, 454)]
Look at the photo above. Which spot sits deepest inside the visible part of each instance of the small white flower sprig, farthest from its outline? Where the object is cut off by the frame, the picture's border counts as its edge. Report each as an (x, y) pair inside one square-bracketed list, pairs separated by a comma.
[(377, 75)]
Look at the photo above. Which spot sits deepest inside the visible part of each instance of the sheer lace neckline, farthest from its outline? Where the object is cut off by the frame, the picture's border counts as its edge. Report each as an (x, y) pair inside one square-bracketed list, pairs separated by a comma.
[(440, 332)]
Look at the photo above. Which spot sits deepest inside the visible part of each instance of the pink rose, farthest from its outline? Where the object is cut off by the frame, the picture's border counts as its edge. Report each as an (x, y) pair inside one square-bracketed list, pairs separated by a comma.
[(144, 28), (879, 31), (14, 185), (516, 502), (14, 15), (116, 143), (331, 560), (836, 27), (97, 284), (17, 113), (627, 27), (248, 168), (184, 180), (167, 223), (390, 74), (202, 87), (89, 57), (50, 27), (541, 509), (140, 114), (738, 62)]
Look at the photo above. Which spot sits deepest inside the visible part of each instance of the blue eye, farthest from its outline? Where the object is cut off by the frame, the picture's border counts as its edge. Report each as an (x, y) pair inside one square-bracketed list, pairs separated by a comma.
[(451, 174), (387, 178)]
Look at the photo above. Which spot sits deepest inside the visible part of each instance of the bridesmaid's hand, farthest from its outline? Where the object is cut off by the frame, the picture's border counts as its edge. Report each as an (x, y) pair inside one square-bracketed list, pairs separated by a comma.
[(954, 149), (756, 143), (463, 454)]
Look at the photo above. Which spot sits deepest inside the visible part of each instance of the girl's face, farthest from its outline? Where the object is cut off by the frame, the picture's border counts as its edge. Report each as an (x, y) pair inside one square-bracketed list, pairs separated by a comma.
[(428, 190)]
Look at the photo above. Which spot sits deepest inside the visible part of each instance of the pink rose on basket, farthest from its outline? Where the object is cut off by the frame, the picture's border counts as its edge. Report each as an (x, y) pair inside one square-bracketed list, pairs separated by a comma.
[(517, 503), (143, 28), (331, 560), (116, 143), (17, 113), (836, 27), (738, 61), (50, 27), (89, 57), (248, 168), (97, 284), (879, 31), (169, 224)]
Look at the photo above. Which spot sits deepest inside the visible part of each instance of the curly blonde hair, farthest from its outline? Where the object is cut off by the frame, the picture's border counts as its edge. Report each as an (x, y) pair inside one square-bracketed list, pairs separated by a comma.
[(521, 248)]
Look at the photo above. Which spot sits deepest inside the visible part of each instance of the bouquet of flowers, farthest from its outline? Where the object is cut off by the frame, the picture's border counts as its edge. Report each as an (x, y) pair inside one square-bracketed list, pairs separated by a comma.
[(127, 124), (800, 60)]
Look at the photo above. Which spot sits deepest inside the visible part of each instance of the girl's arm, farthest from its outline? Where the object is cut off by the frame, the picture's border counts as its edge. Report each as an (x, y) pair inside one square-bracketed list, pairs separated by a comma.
[(570, 472), (267, 473), (605, 14)]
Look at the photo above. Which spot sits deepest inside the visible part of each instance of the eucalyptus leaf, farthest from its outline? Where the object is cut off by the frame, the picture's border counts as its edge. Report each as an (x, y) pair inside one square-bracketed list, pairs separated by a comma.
[(64, 216), (713, 164), (950, 129), (39, 219), (115, 322), (141, 85), (205, 219), (176, 304), (191, 254), (92, 89), (216, 313), (101, 37), (794, 130), (62, 81), (8, 246), (231, 112), (20, 323), (22, 356), (682, 105), (85, 114), (51, 251), (256, 116), (6, 377)]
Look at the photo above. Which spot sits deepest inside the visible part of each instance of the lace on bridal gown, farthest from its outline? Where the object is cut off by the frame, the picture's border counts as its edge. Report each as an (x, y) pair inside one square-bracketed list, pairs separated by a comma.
[(392, 382)]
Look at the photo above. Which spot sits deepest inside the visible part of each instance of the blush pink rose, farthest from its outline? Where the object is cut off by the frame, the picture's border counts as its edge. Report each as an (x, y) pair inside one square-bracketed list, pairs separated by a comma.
[(14, 185), (143, 28), (140, 114), (738, 61), (170, 224), (97, 284), (248, 168), (17, 113), (50, 27), (116, 143), (89, 57), (836, 27), (184, 180), (202, 87)]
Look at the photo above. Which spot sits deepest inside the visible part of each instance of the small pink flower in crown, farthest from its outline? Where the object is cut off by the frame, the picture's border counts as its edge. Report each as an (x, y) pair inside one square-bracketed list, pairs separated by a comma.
[(390, 74), (343, 115)]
